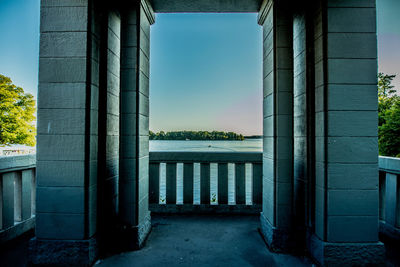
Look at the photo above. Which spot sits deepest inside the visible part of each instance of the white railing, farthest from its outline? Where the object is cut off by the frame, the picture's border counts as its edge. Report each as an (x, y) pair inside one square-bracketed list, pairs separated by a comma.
[(205, 182), (17, 195)]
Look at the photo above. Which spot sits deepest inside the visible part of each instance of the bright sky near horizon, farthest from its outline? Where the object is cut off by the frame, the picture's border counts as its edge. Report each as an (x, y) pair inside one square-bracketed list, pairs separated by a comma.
[(205, 68)]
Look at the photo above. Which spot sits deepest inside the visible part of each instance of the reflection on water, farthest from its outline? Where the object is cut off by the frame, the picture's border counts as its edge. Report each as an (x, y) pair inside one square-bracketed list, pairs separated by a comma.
[(253, 145)]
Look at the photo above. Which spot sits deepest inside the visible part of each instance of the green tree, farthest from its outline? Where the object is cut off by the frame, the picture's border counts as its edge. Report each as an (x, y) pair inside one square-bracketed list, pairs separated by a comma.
[(389, 117), (16, 115), (195, 135)]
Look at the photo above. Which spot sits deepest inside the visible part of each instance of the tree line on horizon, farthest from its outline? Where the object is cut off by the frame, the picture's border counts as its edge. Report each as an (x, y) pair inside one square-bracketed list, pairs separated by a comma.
[(195, 135)]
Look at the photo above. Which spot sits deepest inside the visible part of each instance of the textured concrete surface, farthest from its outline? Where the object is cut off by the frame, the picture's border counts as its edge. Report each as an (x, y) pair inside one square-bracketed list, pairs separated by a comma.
[(45, 252), (189, 240), (195, 241)]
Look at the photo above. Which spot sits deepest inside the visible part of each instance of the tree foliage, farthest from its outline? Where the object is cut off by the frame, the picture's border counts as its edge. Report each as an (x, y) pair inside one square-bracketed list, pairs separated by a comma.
[(16, 115), (389, 117), (195, 135)]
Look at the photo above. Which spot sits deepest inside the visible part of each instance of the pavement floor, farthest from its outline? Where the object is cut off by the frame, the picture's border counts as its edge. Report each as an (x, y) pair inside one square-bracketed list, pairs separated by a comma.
[(204, 240), (193, 240)]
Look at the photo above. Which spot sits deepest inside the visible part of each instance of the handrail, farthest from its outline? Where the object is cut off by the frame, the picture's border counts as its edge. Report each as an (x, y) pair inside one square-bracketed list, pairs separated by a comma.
[(215, 157), (389, 164), (16, 163)]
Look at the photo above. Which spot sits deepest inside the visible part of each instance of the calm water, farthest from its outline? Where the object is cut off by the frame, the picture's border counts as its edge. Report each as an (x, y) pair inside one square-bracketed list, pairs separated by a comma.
[(248, 145)]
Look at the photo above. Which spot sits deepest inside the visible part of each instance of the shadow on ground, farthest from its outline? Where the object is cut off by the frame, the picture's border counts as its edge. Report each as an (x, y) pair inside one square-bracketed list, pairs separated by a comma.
[(14, 253), (189, 240)]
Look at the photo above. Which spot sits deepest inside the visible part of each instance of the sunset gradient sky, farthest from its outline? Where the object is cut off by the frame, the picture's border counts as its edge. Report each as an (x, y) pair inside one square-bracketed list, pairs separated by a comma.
[(205, 68)]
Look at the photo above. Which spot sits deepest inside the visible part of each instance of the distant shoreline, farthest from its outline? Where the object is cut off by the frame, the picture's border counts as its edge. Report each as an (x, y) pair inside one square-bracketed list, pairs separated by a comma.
[(245, 138), (196, 135)]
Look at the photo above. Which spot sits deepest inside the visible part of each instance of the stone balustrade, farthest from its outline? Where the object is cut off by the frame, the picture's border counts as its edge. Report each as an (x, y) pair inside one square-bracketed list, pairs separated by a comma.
[(205, 182), (389, 197), (17, 195), (186, 182)]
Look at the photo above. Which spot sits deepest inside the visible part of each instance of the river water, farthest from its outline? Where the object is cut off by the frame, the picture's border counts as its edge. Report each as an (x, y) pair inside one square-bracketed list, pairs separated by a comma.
[(248, 145)]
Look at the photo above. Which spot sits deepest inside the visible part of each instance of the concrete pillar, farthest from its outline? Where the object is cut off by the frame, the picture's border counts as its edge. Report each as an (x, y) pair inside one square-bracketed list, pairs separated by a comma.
[(346, 194), (276, 216), (301, 123), (67, 135), (109, 126), (134, 164)]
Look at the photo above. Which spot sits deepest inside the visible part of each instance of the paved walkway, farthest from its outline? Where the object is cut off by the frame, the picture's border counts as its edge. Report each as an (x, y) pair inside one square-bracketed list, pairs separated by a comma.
[(181, 240), (190, 240)]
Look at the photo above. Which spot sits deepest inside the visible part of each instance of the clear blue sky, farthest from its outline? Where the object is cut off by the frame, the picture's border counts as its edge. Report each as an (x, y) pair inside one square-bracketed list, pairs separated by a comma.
[(206, 73), (205, 68)]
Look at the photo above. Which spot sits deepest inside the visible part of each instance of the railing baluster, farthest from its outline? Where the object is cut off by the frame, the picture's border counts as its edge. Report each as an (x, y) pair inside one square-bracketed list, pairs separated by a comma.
[(26, 196), (231, 184), (382, 195), (196, 183), (17, 197), (240, 187), (249, 183), (7, 197), (188, 183), (171, 183), (33, 193), (257, 183), (205, 183), (222, 183), (154, 183), (179, 183), (390, 205), (397, 222)]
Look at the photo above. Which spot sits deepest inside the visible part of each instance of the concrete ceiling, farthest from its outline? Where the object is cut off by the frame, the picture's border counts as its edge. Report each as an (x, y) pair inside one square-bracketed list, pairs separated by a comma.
[(173, 6)]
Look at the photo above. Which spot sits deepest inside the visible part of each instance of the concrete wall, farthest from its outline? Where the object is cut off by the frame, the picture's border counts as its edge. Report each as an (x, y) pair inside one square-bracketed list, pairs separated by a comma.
[(112, 114), (319, 119), (206, 5), (278, 123), (94, 52), (346, 122), (268, 123), (128, 181), (79, 129), (134, 213), (92, 162), (300, 123), (67, 138), (346, 147), (333, 73), (143, 111), (64, 145)]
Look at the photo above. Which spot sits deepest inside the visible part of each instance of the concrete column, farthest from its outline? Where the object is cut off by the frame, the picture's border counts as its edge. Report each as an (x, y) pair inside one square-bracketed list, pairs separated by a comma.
[(276, 216), (109, 121), (301, 121), (134, 153), (67, 135), (346, 194)]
